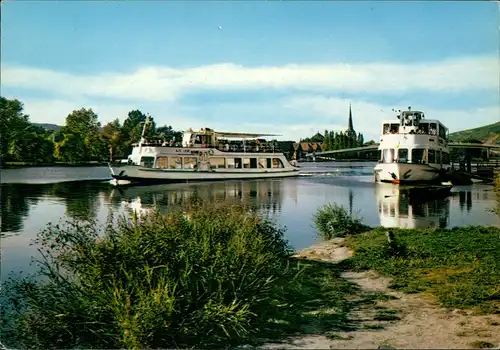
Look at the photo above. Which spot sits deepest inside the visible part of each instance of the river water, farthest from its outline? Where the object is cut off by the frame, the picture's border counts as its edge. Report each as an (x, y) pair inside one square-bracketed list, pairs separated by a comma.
[(33, 197)]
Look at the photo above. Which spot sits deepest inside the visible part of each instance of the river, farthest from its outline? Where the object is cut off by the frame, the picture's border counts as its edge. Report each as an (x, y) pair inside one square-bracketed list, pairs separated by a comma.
[(33, 197)]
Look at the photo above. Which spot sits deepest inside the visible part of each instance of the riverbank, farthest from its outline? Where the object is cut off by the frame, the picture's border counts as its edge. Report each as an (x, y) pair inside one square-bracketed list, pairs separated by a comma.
[(402, 318), (233, 279)]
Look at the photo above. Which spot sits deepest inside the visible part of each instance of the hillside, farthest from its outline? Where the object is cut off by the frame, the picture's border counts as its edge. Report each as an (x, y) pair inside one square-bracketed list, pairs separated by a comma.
[(47, 126), (486, 134)]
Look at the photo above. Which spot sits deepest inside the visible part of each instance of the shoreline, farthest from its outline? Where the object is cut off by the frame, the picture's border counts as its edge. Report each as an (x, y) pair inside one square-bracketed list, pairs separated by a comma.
[(411, 320), (20, 165)]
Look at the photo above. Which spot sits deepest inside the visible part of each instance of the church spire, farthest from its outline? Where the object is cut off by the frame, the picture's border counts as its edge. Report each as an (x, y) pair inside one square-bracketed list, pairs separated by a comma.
[(350, 127)]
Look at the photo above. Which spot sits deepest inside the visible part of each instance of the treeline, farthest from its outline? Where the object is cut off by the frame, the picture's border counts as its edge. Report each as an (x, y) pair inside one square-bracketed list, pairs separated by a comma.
[(331, 140), (81, 139)]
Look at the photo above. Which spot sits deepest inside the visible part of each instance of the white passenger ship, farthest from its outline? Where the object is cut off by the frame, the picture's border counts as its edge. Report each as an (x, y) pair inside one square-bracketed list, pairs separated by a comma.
[(412, 150), (204, 155)]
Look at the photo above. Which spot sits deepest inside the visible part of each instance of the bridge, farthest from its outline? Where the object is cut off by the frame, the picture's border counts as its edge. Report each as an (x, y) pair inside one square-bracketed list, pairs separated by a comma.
[(375, 147)]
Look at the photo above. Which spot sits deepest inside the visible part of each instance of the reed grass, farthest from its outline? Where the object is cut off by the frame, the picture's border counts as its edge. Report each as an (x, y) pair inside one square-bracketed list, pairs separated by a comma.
[(209, 275), (192, 277), (334, 221)]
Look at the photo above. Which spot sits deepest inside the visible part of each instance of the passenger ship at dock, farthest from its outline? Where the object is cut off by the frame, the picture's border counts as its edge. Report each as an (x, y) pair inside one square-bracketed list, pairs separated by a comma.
[(412, 150), (204, 155)]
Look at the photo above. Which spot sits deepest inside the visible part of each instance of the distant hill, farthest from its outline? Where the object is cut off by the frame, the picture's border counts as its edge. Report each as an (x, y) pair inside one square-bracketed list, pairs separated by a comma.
[(46, 126), (486, 134)]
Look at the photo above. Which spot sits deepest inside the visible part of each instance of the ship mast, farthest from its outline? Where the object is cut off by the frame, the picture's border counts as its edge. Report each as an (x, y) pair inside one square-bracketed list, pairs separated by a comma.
[(143, 140)]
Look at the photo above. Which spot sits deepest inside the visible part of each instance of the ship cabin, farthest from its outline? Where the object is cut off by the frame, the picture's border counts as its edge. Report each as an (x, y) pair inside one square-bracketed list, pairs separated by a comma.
[(414, 139), (229, 141), (206, 149)]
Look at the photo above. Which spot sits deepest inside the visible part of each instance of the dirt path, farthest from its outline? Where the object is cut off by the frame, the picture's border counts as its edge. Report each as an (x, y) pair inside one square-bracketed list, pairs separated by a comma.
[(421, 324)]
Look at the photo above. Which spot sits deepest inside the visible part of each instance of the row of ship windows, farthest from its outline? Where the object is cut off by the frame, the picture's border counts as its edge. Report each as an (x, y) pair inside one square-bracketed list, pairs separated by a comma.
[(423, 128), (418, 155), (215, 163)]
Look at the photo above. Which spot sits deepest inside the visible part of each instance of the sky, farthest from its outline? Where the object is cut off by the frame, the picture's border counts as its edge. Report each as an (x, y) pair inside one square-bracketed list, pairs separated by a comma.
[(285, 67)]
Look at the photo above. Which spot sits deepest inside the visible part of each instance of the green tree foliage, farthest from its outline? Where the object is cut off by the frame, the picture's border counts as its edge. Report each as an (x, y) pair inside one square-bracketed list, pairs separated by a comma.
[(35, 145), (19, 139), (112, 137), (167, 133), (81, 139), (12, 123), (133, 125), (338, 140)]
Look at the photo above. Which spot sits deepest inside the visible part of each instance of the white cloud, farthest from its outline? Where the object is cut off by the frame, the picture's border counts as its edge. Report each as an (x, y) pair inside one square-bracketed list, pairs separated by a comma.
[(319, 113), (368, 116), (309, 107), (167, 83)]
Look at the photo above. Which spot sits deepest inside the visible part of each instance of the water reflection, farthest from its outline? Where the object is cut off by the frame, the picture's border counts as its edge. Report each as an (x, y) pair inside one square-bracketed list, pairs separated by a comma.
[(262, 195), (397, 208), (81, 201)]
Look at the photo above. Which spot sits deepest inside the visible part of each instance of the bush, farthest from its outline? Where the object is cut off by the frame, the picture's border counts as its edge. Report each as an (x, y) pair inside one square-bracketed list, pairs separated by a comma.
[(194, 278), (334, 221)]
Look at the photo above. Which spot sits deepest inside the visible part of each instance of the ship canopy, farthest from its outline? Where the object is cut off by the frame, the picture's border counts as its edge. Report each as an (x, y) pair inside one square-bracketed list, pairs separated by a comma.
[(236, 135)]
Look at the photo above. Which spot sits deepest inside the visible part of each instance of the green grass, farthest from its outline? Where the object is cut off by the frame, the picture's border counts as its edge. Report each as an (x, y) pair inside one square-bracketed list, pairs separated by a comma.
[(334, 221), (211, 275), (459, 266)]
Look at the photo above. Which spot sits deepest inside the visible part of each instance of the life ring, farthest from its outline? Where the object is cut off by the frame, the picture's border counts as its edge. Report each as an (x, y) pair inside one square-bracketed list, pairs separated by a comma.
[(211, 152)]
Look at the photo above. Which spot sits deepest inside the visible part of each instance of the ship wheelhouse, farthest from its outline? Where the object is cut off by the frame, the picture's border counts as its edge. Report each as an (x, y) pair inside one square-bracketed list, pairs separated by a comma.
[(415, 140)]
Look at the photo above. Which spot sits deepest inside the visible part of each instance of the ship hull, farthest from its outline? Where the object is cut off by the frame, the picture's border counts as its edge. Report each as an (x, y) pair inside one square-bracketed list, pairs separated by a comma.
[(137, 174), (407, 173)]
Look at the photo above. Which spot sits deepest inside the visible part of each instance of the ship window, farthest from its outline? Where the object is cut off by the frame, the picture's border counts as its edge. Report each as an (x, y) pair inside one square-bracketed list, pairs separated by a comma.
[(237, 163), (423, 128), (379, 152), (442, 132), (189, 162), (438, 157), (387, 128), (418, 155), (253, 163), (217, 162), (432, 129), (162, 162), (277, 163), (394, 128), (263, 162), (432, 156), (147, 162), (230, 163), (446, 158), (388, 155), (246, 162), (175, 163), (403, 155), (269, 163)]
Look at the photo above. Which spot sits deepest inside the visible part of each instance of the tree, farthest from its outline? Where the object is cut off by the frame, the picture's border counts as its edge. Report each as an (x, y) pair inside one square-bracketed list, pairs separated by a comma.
[(13, 123), (112, 138), (71, 148), (35, 146), (167, 133), (133, 125), (82, 134), (360, 140)]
